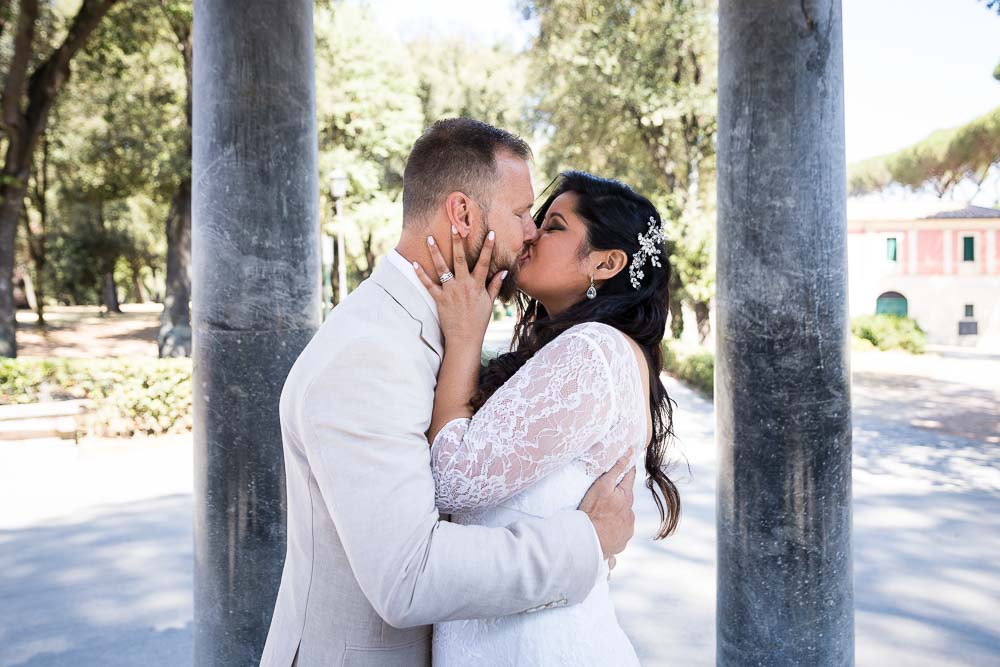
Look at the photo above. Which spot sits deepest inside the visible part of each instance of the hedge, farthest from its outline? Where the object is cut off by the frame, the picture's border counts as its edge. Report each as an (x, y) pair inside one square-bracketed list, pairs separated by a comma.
[(890, 332), (695, 367), (129, 396)]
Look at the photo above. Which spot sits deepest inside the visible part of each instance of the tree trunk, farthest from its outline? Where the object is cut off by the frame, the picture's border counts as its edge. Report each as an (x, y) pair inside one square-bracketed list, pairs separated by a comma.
[(24, 125), (10, 211), (109, 295), (674, 305), (37, 237), (37, 254), (369, 257), (138, 289), (335, 277), (701, 311), (29, 290), (174, 339)]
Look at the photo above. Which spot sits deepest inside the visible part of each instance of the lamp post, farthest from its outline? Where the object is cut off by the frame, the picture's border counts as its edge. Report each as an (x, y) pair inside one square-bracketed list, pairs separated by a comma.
[(338, 188)]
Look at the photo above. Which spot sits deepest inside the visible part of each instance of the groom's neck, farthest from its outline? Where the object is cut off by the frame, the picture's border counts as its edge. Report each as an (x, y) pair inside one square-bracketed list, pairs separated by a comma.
[(413, 244)]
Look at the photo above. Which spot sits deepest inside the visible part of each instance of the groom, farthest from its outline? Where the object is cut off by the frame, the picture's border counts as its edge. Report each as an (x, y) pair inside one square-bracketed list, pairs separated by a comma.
[(370, 563)]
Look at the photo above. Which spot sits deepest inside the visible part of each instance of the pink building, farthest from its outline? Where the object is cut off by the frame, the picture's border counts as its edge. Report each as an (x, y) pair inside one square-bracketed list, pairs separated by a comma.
[(943, 271)]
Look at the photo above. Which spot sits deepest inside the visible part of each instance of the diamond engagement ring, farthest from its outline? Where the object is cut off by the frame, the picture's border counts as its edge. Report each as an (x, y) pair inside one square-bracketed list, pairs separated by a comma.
[(445, 277)]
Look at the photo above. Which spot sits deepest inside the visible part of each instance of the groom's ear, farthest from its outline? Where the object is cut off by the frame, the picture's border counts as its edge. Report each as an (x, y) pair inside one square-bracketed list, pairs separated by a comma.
[(459, 209)]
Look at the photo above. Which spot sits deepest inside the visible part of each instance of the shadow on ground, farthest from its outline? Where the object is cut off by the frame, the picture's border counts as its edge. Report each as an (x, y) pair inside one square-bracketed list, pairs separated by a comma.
[(111, 586), (926, 523)]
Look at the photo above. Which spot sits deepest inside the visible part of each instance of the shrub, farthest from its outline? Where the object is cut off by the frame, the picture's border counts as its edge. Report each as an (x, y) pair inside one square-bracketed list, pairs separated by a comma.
[(695, 367), (890, 332), (129, 396)]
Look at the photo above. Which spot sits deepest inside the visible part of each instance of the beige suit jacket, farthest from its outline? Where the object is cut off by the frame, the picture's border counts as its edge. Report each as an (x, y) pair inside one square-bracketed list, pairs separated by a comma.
[(370, 564)]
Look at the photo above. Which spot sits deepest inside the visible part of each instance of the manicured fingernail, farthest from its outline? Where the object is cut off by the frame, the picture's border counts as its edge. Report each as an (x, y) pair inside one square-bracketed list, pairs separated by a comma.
[(503, 276), (454, 230), (430, 240), (415, 266), (492, 235)]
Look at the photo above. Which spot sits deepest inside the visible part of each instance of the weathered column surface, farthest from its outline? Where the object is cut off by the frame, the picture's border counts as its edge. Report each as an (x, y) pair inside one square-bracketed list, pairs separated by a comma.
[(785, 593), (256, 287)]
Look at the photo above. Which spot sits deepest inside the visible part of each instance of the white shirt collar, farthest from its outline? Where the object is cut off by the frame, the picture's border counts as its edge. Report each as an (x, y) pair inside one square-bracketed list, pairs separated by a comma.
[(406, 268)]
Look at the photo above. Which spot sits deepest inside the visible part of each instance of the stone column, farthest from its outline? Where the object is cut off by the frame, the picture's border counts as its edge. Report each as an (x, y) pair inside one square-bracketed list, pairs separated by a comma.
[(256, 301), (785, 592)]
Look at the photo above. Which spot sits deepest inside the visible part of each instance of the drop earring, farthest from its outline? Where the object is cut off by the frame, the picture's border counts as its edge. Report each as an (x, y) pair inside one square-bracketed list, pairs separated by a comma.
[(591, 291)]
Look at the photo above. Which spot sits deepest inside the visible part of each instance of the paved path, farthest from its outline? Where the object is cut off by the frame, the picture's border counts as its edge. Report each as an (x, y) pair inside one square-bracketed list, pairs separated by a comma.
[(95, 541), (84, 332)]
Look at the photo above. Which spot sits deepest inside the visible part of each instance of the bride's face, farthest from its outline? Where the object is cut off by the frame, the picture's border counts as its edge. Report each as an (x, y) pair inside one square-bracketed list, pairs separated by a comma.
[(553, 269)]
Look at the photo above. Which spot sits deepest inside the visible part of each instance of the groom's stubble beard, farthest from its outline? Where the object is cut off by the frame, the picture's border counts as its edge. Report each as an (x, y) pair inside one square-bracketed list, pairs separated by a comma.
[(501, 261)]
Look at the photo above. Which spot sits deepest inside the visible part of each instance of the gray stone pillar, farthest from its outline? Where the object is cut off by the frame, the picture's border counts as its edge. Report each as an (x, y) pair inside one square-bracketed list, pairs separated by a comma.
[(256, 301), (785, 592)]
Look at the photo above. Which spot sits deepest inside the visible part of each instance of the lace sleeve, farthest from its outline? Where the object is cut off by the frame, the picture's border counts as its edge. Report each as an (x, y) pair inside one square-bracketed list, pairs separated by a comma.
[(553, 410)]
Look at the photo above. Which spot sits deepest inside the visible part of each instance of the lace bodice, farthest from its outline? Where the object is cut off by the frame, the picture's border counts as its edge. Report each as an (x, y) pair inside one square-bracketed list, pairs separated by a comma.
[(574, 401), (532, 450)]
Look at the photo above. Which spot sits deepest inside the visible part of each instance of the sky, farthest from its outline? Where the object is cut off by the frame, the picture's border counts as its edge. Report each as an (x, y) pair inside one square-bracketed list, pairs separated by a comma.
[(910, 66)]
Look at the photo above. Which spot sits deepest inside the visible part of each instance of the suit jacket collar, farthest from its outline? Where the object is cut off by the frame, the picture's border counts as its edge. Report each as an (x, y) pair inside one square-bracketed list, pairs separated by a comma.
[(406, 295)]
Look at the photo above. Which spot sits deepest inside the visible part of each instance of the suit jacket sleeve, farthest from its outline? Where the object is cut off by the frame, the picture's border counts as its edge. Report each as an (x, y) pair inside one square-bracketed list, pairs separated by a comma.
[(363, 421)]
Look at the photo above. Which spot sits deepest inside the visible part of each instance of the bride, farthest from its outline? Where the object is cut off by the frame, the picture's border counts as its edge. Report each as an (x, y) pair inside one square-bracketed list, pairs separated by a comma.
[(529, 434)]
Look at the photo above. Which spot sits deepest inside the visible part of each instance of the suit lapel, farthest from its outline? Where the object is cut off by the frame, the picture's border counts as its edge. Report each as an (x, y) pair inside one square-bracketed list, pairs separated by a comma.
[(406, 295)]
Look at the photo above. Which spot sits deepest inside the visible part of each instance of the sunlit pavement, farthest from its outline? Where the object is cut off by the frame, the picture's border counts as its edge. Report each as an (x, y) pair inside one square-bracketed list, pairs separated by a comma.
[(95, 541)]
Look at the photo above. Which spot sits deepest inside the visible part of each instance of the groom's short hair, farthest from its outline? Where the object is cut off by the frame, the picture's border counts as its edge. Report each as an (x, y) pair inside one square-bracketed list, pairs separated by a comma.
[(455, 155)]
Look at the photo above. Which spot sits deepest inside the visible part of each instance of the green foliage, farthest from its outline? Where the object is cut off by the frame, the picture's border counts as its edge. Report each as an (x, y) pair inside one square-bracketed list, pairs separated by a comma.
[(117, 147), (369, 115), (376, 94), (693, 366), (941, 161), (627, 90), (130, 396), (458, 78), (890, 332)]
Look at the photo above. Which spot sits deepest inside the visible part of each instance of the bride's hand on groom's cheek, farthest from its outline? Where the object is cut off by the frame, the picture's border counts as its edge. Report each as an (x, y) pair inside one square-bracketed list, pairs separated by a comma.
[(464, 296)]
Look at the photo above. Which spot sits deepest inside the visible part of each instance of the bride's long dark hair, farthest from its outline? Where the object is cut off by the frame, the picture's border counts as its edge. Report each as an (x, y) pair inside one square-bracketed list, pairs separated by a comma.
[(615, 216)]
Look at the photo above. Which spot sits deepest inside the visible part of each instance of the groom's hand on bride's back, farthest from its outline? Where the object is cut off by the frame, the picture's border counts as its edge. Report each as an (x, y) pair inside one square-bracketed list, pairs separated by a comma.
[(608, 503)]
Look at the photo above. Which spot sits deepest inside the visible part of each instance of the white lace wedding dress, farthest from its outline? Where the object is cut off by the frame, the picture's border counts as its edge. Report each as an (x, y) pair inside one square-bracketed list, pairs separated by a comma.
[(532, 450)]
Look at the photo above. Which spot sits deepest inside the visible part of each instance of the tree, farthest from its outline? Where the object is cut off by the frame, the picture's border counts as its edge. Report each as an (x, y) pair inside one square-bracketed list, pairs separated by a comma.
[(940, 162), (25, 103), (369, 115), (461, 78), (112, 144), (174, 338), (626, 89)]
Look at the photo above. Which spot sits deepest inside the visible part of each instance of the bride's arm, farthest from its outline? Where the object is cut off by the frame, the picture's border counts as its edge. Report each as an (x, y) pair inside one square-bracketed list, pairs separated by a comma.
[(465, 305), (555, 408), (457, 381), (558, 407)]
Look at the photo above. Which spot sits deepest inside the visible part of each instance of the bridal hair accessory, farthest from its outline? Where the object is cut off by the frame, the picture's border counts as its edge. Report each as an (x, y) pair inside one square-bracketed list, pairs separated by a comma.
[(445, 277), (648, 249), (592, 291)]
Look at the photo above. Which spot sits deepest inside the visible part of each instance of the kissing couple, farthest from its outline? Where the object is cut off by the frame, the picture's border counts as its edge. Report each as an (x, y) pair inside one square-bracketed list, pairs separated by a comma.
[(441, 512)]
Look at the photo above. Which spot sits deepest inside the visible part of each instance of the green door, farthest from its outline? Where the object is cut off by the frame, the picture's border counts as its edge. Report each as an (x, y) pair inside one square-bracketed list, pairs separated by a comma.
[(891, 303)]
